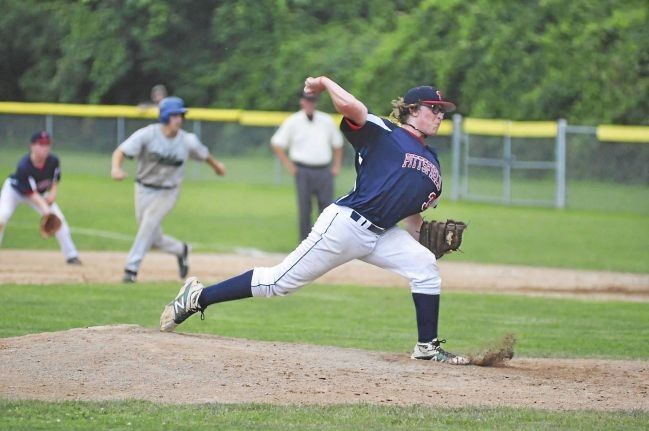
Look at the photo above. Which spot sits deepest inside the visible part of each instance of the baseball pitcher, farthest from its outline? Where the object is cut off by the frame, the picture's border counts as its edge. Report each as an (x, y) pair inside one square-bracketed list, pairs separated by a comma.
[(161, 151), (398, 176)]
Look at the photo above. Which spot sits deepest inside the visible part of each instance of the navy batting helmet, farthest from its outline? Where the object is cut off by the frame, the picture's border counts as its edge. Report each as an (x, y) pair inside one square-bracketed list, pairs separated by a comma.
[(171, 106)]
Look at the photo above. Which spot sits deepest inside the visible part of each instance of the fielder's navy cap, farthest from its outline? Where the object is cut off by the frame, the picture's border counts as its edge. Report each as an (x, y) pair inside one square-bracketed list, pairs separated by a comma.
[(42, 138), (427, 95)]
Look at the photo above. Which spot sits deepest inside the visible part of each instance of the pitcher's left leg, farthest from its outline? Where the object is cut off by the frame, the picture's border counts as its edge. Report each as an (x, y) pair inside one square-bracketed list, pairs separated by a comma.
[(399, 252)]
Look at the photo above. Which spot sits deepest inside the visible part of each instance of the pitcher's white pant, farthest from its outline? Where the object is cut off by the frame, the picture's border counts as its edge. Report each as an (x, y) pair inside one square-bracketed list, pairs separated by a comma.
[(335, 239), (10, 199), (151, 207)]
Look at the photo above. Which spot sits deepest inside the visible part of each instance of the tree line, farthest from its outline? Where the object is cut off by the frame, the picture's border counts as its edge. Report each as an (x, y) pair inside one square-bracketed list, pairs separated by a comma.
[(583, 60)]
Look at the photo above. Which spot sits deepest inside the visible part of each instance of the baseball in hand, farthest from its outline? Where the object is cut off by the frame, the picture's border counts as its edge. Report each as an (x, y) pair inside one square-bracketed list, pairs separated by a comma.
[(314, 85)]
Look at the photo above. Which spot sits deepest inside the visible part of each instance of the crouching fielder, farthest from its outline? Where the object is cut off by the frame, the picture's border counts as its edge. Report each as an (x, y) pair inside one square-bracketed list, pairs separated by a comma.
[(398, 177), (35, 183)]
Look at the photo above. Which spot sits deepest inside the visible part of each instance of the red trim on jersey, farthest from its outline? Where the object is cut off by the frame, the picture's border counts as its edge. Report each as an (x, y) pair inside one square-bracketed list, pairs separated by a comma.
[(418, 138), (352, 125)]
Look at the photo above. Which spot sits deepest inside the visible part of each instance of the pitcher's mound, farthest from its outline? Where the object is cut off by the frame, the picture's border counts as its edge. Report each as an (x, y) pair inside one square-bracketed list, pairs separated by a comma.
[(127, 361)]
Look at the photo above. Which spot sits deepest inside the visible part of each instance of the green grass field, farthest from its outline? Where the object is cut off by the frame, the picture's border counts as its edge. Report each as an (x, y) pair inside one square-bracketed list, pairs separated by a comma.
[(348, 316), (129, 415), (248, 210), (218, 215)]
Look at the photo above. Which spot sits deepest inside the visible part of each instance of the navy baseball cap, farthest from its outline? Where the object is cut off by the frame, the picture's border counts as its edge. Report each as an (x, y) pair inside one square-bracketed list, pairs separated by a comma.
[(427, 95), (42, 138)]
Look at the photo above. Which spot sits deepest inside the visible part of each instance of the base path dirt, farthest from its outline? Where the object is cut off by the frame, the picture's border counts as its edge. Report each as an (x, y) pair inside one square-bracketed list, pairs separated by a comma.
[(131, 362), (48, 267)]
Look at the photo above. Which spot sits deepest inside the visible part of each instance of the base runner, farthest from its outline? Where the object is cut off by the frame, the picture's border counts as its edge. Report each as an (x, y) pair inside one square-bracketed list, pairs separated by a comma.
[(398, 177), (161, 151), (36, 183)]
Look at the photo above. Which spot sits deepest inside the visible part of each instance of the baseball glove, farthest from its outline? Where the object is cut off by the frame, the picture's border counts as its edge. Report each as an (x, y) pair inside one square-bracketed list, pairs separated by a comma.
[(50, 224), (441, 237)]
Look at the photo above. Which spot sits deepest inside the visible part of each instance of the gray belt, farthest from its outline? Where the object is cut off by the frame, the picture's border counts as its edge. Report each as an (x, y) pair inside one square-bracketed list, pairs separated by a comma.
[(155, 186), (302, 165)]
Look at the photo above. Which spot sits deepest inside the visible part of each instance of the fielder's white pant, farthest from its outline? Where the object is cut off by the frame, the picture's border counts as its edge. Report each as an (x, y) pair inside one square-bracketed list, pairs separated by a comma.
[(151, 207), (10, 199), (335, 239)]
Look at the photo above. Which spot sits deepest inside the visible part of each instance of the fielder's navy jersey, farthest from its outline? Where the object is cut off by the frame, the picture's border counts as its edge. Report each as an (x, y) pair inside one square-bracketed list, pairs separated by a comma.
[(30, 179), (397, 175)]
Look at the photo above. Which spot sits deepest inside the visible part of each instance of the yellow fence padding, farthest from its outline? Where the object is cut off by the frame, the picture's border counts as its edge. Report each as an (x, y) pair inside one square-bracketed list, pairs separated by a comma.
[(609, 133), (476, 126), (262, 118), (517, 129)]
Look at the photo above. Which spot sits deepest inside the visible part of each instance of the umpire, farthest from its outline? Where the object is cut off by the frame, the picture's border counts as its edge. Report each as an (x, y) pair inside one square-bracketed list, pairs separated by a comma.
[(315, 152)]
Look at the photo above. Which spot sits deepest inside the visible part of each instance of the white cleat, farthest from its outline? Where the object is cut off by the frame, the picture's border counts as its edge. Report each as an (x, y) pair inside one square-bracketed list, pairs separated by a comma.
[(183, 306), (433, 352)]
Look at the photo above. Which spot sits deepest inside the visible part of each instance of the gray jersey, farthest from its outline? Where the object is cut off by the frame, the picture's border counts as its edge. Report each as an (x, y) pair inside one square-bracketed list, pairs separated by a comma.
[(161, 160)]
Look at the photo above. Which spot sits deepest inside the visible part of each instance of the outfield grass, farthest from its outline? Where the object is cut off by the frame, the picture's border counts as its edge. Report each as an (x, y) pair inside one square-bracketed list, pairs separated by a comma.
[(219, 216), (348, 316), (129, 415)]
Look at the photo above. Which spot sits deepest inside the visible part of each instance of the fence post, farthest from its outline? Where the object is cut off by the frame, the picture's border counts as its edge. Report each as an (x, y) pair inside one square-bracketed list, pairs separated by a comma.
[(197, 128), (49, 124), (121, 130), (507, 165), (560, 171), (455, 156)]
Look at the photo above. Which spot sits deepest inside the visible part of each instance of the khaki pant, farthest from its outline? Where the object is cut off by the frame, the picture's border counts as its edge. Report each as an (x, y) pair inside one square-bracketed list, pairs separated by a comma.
[(151, 207)]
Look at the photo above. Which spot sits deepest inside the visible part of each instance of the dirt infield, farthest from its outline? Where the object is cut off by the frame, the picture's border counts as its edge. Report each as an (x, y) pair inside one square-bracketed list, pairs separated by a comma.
[(131, 362), (47, 267)]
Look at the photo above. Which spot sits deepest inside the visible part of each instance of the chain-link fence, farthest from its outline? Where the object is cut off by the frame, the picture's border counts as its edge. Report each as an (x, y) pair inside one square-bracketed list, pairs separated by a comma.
[(557, 165), (569, 167)]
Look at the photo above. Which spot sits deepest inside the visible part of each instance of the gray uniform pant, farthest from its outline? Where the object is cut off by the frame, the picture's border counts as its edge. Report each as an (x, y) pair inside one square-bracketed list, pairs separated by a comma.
[(151, 207), (312, 181)]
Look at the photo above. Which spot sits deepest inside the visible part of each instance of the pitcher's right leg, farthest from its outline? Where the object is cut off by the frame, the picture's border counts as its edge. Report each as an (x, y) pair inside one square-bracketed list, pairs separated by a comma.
[(335, 239)]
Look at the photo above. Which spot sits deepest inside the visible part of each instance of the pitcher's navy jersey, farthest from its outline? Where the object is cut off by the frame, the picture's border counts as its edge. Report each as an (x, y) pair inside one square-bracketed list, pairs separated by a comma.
[(30, 179), (397, 175)]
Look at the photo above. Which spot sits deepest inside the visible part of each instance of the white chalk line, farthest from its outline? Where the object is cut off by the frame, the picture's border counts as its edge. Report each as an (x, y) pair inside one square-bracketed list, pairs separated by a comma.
[(118, 236)]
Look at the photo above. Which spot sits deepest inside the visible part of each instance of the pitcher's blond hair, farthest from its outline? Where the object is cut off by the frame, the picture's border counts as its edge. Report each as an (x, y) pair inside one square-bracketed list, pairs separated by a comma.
[(401, 111)]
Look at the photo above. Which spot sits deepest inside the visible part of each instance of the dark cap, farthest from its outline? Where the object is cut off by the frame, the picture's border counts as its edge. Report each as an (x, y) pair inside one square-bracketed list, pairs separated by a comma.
[(308, 96), (42, 138), (427, 95)]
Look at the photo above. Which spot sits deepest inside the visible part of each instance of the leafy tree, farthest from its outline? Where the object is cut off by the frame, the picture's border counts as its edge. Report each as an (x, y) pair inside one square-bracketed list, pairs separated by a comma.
[(584, 60)]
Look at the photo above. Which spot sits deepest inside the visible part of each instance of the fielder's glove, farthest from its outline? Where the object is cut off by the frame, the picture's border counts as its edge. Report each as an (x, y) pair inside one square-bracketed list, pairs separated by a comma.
[(49, 225), (441, 237)]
